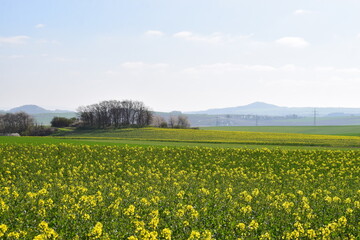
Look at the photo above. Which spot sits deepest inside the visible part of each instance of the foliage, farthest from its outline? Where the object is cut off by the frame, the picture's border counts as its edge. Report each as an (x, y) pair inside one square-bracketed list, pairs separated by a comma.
[(62, 122), (40, 130), (102, 192)]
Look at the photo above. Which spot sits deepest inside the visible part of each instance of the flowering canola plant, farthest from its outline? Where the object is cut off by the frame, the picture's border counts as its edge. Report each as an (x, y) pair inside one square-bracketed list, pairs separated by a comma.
[(69, 191), (212, 137)]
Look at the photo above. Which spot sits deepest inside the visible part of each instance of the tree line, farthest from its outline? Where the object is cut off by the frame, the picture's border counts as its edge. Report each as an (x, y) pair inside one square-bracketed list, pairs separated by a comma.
[(23, 124), (15, 122), (115, 114), (179, 121)]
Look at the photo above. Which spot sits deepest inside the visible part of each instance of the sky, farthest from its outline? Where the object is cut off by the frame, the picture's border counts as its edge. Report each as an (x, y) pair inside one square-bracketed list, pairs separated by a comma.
[(183, 55)]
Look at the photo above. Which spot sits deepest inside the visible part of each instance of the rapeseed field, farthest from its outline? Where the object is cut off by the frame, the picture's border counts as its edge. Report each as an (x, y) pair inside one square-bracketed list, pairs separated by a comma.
[(66, 191), (211, 137)]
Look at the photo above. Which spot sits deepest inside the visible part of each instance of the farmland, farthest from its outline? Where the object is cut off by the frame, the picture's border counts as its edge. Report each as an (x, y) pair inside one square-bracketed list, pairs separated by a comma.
[(70, 191), (350, 130), (213, 137), (179, 184)]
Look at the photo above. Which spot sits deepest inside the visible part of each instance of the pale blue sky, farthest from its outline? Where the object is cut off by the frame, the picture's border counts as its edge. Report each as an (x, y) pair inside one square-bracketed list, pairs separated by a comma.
[(179, 54)]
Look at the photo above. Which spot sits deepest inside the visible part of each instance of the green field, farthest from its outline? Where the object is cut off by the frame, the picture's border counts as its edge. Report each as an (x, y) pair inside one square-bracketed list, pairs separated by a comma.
[(351, 130), (193, 137), (185, 136)]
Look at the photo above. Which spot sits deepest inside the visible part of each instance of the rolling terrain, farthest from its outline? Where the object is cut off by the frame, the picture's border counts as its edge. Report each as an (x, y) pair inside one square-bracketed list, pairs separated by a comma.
[(181, 184), (71, 191), (192, 137), (353, 130)]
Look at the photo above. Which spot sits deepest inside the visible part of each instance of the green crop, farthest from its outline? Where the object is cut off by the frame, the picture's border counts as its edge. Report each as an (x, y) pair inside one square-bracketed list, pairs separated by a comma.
[(64, 191)]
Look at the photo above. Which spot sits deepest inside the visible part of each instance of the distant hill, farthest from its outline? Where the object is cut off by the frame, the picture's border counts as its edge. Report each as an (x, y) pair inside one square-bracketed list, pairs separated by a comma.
[(41, 115), (34, 109), (261, 108)]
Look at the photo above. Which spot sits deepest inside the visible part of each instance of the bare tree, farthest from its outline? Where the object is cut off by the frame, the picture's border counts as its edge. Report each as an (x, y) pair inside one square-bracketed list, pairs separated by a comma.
[(159, 121), (180, 121), (172, 122), (115, 114), (15, 122), (183, 121)]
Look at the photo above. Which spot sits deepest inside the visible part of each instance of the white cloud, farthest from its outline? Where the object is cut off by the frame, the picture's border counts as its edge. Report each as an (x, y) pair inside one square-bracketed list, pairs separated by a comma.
[(213, 38), (290, 67), (324, 69), (228, 67), (133, 65), (64, 59), (349, 70), (332, 70), (40, 25), (154, 33), (142, 65), (16, 56), (46, 41), (14, 40), (295, 42), (300, 12), (139, 69)]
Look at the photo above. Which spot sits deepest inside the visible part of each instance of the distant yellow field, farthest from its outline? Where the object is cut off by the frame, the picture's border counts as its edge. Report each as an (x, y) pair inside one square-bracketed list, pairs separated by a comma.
[(207, 136)]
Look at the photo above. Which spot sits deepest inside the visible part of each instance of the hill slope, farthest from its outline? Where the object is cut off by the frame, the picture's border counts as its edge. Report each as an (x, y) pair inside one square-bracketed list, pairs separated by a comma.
[(34, 109), (260, 108)]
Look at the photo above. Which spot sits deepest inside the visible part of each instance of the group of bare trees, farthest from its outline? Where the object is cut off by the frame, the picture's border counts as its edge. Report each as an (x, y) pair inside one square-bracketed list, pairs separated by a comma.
[(180, 121), (15, 122), (115, 114)]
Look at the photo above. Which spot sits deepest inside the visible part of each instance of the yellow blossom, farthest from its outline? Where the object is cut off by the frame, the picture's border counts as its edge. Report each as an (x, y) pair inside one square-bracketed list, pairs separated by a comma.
[(253, 225), (166, 233), (3, 229), (96, 231)]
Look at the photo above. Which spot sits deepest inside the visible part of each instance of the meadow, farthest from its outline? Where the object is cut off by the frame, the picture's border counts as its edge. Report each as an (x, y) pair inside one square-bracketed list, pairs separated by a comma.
[(68, 191)]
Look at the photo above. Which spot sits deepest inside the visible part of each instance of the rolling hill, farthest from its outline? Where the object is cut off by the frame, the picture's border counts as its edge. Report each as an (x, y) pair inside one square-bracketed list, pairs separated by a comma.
[(261, 108), (34, 109)]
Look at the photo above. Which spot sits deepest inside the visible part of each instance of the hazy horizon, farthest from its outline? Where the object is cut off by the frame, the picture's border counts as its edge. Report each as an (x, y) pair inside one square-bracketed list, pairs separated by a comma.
[(196, 111), (180, 55)]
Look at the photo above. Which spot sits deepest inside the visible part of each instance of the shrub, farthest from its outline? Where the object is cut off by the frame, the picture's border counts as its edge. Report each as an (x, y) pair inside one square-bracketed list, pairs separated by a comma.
[(62, 121), (39, 130)]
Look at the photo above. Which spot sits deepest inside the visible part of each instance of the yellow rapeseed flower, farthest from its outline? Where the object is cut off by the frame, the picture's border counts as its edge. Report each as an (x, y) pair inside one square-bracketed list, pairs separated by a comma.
[(3, 229), (96, 231), (166, 233)]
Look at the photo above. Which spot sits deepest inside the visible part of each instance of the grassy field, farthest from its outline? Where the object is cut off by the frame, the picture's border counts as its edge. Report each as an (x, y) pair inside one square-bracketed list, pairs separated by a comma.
[(353, 130)]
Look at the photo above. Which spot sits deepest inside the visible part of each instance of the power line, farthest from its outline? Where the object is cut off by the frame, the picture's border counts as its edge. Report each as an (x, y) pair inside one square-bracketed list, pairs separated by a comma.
[(315, 115)]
